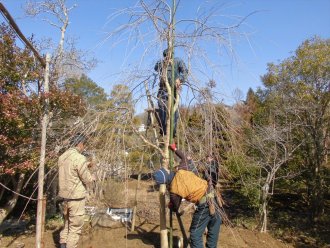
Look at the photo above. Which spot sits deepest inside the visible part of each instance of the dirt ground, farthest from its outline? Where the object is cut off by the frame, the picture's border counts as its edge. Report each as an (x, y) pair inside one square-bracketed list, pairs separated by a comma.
[(102, 234), (146, 235)]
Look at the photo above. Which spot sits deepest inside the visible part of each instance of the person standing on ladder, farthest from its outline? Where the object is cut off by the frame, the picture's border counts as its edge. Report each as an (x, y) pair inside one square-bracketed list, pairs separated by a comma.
[(180, 76)]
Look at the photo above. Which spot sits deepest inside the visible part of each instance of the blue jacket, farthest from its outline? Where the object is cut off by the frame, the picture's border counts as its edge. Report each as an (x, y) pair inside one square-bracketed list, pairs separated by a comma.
[(180, 71)]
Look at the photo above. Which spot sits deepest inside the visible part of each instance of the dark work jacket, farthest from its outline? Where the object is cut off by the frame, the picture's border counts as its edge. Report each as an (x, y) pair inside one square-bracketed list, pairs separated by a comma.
[(180, 71), (185, 164), (212, 172)]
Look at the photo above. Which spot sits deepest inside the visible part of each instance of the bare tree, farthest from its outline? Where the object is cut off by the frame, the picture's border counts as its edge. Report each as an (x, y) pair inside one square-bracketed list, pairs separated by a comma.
[(153, 25), (188, 35), (113, 124), (272, 149), (67, 60)]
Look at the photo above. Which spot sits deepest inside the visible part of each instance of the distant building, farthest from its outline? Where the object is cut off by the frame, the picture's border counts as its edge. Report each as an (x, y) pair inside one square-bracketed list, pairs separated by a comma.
[(142, 128)]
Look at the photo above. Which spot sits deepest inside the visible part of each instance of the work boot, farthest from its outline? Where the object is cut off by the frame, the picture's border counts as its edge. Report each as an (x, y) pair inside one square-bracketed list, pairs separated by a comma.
[(63, 245)]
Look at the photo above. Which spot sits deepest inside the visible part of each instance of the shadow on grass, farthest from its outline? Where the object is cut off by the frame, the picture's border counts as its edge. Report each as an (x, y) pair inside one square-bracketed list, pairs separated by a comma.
[(237, 205), (13, 227), (288, 218)]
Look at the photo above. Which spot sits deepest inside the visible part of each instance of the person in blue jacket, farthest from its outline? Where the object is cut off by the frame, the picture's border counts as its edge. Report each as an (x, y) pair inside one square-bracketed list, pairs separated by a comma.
[(180, 76)]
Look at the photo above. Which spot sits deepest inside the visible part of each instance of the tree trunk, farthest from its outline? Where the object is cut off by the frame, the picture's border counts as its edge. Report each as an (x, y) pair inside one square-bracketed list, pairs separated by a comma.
[(162, 213), (316, 182), (136, 196), (264, 211), (2, 191), (152, 112), (6, 210), (264, 217), (317, 198), (53, 185)]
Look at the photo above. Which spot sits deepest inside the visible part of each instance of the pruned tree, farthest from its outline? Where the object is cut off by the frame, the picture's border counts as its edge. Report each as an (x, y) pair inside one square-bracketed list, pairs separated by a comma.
[(188, 35), (67, 62)]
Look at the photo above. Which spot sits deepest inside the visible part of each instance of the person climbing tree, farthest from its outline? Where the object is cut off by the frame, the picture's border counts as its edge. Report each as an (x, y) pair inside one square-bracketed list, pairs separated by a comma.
[(164, 69), (186, 162), (211, 170)]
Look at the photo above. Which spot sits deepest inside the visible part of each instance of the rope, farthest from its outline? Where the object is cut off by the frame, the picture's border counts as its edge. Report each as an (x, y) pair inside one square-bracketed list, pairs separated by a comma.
[(26, 197)]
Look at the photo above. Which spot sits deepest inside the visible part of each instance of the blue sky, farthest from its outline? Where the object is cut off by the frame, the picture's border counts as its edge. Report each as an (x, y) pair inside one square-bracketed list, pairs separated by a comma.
[(270, 35)]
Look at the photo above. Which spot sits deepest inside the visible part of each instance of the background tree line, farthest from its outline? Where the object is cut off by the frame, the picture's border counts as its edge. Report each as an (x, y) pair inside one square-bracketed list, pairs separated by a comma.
[(275, 143), (284, 136)]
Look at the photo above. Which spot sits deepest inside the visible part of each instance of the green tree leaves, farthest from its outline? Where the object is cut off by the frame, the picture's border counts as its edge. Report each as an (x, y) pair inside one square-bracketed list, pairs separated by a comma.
[(87, 89), (297, 96)]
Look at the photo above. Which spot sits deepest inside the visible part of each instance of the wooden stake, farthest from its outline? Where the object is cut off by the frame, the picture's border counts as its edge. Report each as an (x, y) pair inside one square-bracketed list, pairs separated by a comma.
[(43, 220), (41, 175), (172, 110), (136, 196), (162, 213)]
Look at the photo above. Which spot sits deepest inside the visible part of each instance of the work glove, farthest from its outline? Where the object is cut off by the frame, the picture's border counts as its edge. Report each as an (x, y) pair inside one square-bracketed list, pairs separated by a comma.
[(173, 147), (178, 84)]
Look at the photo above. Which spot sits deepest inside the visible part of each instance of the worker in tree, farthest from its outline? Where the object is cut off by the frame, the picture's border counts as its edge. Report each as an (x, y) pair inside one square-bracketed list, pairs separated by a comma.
[(74, 176), (164, 69), (186, 184), (211, 169), (186, 162)]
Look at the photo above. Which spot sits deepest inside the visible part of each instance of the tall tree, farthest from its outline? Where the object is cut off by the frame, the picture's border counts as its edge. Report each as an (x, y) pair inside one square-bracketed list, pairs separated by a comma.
[(121, 97), (21, 103), (19, 113), (270, 149), (67, 60), (297, 90), (86, 88)]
